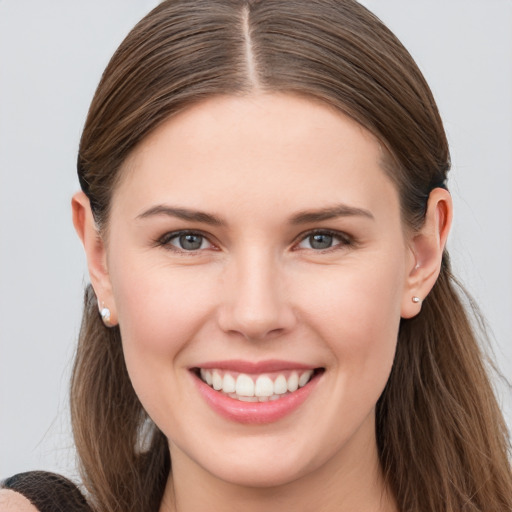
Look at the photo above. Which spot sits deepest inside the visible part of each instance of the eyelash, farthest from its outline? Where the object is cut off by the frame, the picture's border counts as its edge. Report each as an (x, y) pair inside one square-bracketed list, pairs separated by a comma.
[(165, 241), (344, 240)]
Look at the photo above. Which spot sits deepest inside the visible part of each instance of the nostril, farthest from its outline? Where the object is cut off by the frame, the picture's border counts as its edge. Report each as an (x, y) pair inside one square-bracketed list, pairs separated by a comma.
[(257, 327)]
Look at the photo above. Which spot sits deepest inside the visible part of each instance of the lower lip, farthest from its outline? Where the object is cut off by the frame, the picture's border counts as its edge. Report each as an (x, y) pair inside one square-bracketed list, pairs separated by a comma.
[(255, 412)]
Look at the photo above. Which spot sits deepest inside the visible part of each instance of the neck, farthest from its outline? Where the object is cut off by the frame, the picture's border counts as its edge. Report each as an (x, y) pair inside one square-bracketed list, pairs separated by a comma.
[(351, 481)]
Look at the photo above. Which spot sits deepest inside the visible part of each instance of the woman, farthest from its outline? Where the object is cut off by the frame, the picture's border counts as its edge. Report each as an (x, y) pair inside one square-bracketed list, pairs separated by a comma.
[(264, 212)]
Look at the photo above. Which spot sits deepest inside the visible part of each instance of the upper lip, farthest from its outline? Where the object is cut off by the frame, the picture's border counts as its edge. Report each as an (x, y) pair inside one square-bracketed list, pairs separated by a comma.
[(271, 365)]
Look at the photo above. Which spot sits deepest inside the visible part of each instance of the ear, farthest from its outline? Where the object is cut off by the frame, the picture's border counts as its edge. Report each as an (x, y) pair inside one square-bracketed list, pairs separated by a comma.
[(427, 248), (95, 252)]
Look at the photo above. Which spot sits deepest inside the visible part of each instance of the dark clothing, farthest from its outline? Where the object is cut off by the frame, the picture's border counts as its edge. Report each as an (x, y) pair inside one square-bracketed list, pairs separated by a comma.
[(48, 492)]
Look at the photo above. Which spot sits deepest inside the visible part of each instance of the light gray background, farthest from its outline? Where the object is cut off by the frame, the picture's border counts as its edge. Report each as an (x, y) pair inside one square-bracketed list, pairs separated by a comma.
[(51, 56)]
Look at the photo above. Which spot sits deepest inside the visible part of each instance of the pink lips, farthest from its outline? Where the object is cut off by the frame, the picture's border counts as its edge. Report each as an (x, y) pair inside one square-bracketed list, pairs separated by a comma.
[(255, 412)]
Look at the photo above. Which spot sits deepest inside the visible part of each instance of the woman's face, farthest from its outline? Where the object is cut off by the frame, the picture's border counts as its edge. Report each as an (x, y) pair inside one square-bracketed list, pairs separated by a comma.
[(256, 242)]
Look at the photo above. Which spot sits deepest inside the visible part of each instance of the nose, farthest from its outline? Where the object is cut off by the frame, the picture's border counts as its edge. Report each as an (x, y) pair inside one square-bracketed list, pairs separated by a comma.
[(256, 303)]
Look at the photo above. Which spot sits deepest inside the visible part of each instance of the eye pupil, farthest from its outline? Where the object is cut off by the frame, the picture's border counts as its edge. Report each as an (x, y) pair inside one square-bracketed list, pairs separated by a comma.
[(191, 242), (320, 241)]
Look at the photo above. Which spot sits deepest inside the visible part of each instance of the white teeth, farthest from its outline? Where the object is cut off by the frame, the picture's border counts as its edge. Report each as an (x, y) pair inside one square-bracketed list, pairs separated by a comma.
[(206, 375), (245, 388), (248, 398), (304, 378), (264, 386), (217, 381), (293, 382), (280, 385), (228, 384), (244, 385)]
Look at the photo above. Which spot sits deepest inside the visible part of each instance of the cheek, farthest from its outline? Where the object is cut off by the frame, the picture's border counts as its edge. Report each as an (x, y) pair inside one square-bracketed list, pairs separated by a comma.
[(160, 314), (161, 311), (356, 310), (357, 316)]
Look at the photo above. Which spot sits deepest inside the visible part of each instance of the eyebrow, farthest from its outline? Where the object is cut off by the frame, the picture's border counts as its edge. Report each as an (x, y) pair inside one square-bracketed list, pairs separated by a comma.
[(331, 212), (184, 214), (303, 217)]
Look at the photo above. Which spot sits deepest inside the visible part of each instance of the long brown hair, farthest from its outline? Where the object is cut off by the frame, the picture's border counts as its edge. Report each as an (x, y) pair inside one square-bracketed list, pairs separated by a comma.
[(442, 441)]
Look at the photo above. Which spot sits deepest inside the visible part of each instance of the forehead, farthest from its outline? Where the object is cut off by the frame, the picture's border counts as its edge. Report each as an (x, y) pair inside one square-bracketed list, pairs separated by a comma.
[(271, 148)]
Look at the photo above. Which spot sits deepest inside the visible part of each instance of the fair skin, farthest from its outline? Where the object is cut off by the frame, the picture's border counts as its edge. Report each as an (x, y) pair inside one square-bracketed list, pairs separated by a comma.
[(11, 501), (296, 254)]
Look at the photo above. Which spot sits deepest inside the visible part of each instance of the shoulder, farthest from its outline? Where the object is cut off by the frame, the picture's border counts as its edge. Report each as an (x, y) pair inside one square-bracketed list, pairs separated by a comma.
[(12, 501), (40, 491)]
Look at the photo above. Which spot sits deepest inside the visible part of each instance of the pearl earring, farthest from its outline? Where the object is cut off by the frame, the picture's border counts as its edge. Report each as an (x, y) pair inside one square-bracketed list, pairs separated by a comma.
[(416, 300), (105, 315)]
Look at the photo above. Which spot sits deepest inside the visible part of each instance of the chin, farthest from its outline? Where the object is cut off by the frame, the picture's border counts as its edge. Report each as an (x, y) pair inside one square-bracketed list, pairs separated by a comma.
[(263, 463), (259, 475)]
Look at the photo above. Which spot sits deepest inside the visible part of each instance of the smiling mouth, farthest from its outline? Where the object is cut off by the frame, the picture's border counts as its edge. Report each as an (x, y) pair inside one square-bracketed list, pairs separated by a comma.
[(263, 387)]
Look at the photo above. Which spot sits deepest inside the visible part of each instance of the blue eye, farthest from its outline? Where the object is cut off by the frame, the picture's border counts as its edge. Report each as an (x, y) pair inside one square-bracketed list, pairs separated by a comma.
[(186, 241), (322, 240)]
